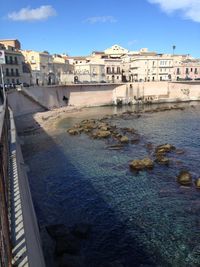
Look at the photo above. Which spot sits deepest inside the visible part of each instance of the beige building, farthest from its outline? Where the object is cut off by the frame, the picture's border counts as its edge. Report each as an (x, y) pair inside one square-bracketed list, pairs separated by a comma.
[(41, 65), (89, 72), (115, 51), (15, 70), (148, 66)]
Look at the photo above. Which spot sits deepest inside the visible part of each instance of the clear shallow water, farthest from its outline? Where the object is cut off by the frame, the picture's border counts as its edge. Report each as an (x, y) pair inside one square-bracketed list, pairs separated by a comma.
[(143, 219)]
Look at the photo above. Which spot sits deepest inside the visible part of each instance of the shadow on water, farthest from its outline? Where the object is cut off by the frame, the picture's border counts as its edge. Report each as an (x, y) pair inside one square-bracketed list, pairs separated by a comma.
[(64, 194)]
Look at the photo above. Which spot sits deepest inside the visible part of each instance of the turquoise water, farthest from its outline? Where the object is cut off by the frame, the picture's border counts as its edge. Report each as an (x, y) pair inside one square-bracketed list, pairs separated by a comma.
[(138, 219)]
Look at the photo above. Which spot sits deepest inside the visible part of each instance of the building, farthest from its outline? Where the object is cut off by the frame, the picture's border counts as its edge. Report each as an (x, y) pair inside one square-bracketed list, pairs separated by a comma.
[(41, 65), (115, 51), (89, 72), (15, 69), (12, 43), (187, 69), (113, 70)]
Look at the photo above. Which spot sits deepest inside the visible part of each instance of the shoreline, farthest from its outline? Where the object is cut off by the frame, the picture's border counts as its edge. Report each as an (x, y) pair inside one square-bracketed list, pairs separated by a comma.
[(47, 120)]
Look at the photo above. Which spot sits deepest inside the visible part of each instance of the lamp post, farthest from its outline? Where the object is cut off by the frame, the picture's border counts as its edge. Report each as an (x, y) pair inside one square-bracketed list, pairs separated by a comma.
[(173, 47)]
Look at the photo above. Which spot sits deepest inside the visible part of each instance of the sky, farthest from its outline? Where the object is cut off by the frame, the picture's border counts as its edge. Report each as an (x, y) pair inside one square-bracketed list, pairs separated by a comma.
[(78, 27)]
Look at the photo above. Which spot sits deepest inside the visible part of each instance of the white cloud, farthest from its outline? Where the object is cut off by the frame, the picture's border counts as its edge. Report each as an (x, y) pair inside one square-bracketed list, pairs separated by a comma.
[(190, 9), (28, 14), (101, 19)]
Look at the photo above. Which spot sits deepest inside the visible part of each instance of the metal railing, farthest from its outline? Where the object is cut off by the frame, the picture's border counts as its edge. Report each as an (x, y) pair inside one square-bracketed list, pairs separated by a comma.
[(5, 243)]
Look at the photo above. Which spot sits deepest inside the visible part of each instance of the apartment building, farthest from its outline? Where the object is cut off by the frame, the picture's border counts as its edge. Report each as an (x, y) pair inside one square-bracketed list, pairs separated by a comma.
[(15, 70), (89, 72), (187, 69), (41, 65)]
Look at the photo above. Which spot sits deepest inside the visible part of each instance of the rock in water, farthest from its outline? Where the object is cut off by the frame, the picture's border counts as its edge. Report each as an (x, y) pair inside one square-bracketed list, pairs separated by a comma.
[(162, 160), (57, 230), (184, 178), (197, 183), (141, 164), (124, 139), (102, 134), (164, 148)]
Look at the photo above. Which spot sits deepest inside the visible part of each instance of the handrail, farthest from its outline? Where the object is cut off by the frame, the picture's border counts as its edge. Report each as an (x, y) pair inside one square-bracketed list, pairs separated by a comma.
[(5, 243)]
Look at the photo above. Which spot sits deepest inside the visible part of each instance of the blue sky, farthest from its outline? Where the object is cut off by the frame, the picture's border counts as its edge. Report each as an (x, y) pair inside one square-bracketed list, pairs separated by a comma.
[(80, 26)]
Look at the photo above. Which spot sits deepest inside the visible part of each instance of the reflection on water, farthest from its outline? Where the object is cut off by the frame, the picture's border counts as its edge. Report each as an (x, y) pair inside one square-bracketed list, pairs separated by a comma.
[(143, 219)]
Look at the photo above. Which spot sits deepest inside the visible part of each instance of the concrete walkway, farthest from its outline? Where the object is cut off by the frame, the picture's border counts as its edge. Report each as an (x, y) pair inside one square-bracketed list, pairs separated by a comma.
[(27, 250)]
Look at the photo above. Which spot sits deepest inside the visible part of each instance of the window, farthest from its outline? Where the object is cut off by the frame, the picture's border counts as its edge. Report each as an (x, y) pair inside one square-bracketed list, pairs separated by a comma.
[(113, 70), (11, 60), (178, 71), (7, 72), (17, 72), (6, 58), (187, 71), (108, 70), (195, 71), (16, 61), (191, 69), (12, 72), (118, 70)]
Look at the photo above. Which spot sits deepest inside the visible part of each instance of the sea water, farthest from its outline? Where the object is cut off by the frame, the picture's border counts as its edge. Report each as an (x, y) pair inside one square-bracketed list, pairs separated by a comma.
[(137, 219)]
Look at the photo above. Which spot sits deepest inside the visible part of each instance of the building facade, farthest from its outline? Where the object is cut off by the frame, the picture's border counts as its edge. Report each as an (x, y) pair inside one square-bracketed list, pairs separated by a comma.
[(14, 69)]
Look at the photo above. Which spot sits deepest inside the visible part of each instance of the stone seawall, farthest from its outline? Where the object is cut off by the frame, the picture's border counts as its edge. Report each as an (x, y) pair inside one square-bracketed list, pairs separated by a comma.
[(86, 95)]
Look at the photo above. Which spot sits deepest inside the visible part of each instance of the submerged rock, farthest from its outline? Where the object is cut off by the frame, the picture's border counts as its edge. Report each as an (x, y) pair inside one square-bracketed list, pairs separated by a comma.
[(67, 244), (184, 178), (81, 230), (102, 134), (57, 230), (162, 160), (73, 131), (124, 139), (115, 147), (179, 151), (141, 164)]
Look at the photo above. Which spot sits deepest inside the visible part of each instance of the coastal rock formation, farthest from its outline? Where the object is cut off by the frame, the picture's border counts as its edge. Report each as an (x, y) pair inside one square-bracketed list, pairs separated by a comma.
[(141, 164), (184, 178)]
